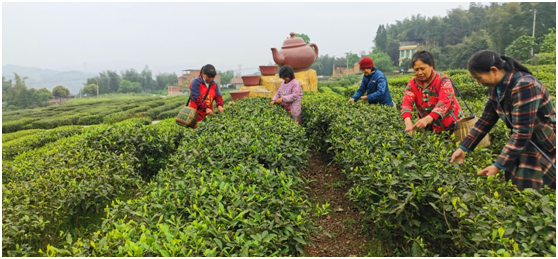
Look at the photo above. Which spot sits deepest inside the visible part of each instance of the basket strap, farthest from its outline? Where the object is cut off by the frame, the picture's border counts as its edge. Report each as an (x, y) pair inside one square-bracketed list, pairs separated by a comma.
[(458, 92), (190, 97)]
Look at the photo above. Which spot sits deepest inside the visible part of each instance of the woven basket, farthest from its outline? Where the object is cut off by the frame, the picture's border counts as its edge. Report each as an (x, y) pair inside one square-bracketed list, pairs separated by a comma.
[(464, 125), (187, 117)]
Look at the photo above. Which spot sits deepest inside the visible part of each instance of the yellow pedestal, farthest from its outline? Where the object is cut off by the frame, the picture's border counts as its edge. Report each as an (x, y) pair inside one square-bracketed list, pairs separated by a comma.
[(270, 84), (257, 91), (308, 80)]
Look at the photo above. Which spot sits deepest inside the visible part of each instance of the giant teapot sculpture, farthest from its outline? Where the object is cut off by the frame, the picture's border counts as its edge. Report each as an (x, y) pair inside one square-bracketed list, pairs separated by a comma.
[(296, 53)]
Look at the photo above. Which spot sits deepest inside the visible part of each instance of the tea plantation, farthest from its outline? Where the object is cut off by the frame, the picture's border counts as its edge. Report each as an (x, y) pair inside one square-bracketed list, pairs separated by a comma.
[(126, 187)]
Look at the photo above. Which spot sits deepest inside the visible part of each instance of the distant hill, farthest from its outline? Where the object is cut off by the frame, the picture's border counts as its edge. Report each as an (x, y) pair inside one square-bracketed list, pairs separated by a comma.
[(45, 78)]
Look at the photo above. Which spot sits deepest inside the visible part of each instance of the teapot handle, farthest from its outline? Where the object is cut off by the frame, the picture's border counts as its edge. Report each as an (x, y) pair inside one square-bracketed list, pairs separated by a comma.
[(316, 48)]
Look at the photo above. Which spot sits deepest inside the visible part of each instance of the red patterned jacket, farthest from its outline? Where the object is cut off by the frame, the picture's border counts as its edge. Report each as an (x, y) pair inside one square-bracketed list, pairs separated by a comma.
[(436, 99)]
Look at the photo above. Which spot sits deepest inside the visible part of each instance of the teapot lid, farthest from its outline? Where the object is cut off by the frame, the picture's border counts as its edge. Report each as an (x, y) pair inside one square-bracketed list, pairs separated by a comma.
[(293, 42)]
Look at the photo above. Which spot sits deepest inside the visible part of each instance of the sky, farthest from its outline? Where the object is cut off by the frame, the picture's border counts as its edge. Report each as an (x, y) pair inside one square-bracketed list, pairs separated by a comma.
[(170, 37)]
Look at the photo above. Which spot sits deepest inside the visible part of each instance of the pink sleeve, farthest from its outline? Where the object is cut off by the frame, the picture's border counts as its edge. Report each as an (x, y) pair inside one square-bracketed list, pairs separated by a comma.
[(297, 92)]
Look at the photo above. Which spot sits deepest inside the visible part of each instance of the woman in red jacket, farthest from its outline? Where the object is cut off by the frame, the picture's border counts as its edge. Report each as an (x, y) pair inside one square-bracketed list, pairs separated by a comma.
[(432, 93), (199, 89)]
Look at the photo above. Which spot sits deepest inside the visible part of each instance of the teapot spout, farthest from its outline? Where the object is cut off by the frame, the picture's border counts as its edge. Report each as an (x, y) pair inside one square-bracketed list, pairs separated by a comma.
[(278, 57)]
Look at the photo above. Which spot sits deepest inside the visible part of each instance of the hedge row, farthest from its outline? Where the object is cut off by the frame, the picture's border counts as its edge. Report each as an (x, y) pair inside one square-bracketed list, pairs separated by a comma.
[(47, 189), (230, 189), (38, 139), (406, 185)]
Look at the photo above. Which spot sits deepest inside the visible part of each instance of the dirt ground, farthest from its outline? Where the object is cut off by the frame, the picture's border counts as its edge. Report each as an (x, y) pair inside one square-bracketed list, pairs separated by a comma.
[(345, 233)]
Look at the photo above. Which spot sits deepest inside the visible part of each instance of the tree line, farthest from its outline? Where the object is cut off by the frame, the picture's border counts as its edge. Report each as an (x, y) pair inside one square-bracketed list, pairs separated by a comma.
[(503, 27), (16, 95), (128, 81)]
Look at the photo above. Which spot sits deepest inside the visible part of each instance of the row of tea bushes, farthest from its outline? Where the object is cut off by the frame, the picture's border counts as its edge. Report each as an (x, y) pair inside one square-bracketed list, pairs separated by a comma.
[(36, 138), (44, 190), (89, 113), (406, 185), (231, 189), (15, 135)]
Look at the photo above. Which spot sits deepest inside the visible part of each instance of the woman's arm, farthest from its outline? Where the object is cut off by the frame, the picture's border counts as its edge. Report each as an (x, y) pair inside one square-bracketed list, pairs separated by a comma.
[(408, 102)]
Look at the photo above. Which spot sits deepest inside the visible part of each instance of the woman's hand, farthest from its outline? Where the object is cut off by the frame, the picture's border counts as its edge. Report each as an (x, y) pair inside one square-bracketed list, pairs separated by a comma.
[(279, 101), (491, 170), (351, 100), (220, 109), (208, 111), (408, 125), (458, 156), (364, 97), (422, 123), (272, 102)]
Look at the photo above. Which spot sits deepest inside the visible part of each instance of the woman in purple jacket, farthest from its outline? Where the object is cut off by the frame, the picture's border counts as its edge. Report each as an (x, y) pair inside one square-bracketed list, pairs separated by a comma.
[(289, 94)]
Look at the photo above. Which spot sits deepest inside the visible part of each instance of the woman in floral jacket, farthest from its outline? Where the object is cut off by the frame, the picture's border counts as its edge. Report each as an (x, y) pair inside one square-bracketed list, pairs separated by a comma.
[(289, 94), (432, 93)]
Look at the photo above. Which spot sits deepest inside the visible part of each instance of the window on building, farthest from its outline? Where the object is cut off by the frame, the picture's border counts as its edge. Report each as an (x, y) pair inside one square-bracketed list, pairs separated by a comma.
[(402, 54)]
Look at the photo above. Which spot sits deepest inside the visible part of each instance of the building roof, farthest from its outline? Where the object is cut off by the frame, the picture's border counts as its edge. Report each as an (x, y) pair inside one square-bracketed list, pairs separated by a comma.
[(236, 80)]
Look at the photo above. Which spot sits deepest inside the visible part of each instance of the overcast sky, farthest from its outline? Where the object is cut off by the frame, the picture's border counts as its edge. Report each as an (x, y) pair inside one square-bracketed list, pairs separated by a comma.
[(169, 37)]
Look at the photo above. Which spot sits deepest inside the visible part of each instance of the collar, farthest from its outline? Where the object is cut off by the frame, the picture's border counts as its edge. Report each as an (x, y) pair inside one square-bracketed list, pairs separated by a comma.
[(503, 85)]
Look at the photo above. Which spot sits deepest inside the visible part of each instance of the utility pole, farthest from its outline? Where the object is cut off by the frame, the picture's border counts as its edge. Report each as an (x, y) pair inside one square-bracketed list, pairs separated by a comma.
[(347, 53), (534, 17)]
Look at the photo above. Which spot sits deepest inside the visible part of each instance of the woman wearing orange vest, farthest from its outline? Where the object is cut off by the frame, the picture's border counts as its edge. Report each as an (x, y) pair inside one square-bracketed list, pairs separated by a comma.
[(199, 89)]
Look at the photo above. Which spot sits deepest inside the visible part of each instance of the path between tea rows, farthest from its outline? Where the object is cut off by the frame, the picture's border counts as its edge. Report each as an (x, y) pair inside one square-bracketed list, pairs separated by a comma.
[(345, 233)]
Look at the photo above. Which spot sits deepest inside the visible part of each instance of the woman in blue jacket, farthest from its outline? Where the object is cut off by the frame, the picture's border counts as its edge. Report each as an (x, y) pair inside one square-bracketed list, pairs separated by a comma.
[(374, 83)]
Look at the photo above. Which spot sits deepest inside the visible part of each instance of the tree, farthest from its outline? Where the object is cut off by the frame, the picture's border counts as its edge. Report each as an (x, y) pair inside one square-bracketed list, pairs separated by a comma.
[(353, 58), (60, 91), (460, 53), (19, 96), (520, 48), (6, 87), (405, 64), (381, 39), (129, 87), (382, 61), (226, 76), (90, 90), (304, 37), (148, 84), (41, 97), (548, 41), (166, 79)]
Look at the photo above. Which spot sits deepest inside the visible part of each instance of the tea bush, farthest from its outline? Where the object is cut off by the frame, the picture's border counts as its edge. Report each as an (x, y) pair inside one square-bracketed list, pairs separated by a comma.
[(44, 188), (36, 139), (215, 194), (405, 184)]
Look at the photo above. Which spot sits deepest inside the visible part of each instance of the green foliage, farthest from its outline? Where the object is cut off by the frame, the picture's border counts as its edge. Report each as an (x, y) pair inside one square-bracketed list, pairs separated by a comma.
[(548, 41), (451, 38), (226, 76), (382, 61), (406, 185), (520, 48), (60, 91), (129, 87), (35, 140), (15, 135), (219, 195), (405, 64), (303, 36), (89, 90), (166, 79)]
